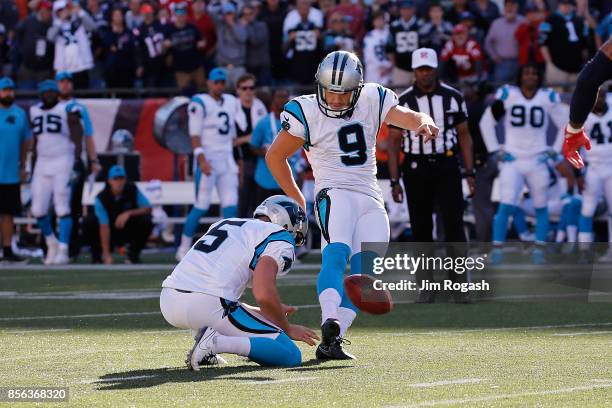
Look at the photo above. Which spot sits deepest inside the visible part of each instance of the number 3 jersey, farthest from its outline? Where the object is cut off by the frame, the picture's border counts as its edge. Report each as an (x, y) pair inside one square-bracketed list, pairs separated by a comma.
[(50, 128), (215, 122), (526, 120), (341, 151), (222, 262)]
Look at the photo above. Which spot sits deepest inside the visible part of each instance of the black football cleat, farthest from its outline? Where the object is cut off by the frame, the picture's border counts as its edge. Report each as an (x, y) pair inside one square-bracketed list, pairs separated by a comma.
[(331, 345)]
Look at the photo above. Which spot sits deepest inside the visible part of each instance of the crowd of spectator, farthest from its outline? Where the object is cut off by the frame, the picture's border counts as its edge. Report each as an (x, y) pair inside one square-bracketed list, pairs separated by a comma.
[(167, 43)]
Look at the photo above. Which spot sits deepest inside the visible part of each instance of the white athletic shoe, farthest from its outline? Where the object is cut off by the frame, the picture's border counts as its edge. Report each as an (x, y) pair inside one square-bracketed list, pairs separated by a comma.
[(181, 251), (61, 258), (52, 248), (201, 354)]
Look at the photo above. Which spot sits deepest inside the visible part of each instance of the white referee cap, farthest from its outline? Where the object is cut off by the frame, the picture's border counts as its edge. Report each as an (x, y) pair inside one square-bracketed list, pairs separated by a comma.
[(424, 57)]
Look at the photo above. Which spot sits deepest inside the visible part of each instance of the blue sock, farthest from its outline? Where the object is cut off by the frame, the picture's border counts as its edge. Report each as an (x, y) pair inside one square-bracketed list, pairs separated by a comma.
[(281, 351), (361, 263), (518, 218), (192, 221), (585, 224), (65, 228), (541, 224), (500, 222), (335, 258), (44, 223), (230, 211), (573, 212)]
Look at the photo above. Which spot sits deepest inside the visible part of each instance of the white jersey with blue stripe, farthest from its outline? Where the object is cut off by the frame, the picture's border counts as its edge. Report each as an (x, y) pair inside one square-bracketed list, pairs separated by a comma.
[(526, 119), (599, 130), (215, 121), (341, 151), (222, 262), (50, 128)]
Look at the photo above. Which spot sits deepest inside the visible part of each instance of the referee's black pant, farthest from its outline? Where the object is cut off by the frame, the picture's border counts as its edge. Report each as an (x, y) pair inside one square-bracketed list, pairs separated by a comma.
[(433, 184)]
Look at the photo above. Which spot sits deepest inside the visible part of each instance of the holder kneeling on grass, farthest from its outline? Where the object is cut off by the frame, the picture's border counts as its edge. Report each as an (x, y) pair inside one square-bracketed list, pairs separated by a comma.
[(203, 291)]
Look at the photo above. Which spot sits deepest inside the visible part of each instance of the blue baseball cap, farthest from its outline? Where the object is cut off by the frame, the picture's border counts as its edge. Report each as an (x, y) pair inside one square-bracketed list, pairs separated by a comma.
[(116, 171), (406, 4), (217, 74), (228, 8), (47, 85), (7, 83), (60, 76)]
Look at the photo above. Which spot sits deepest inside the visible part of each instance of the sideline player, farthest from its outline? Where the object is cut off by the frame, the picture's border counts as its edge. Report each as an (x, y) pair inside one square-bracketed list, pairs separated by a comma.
[(204, 290), (66, 87), (58, 136), (525, 110), (595, 72), (337, 127), (598, 179), (212, 127)]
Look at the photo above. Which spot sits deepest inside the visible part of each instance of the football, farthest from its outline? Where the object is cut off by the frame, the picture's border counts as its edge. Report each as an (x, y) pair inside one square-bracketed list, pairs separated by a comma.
[(360, 290)]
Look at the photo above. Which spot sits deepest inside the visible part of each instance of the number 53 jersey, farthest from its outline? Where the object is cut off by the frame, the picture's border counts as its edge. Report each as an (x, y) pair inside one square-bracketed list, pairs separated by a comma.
[(341, 151), (222, 262)]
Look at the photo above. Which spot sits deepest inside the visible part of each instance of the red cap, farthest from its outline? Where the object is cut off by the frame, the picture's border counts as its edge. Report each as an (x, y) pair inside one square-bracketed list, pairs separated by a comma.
[(459, 28), (45, 4), (146, 8)]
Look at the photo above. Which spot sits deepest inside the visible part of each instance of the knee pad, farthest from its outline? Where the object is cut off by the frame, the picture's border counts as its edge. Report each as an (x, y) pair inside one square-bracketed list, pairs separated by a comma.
[(335, 258)]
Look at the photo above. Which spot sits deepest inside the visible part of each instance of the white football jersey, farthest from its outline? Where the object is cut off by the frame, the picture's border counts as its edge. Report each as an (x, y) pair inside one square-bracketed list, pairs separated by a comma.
[(222, 262), (526, 120), (599, 130), (341, 151), (215, 121), (50, 128), (375, 56)]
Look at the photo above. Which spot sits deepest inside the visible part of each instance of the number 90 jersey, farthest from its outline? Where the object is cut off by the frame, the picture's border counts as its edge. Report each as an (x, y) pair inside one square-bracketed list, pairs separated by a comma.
[(50, 128), (222, 262), (341, 151), (526, 120), (215, 121)]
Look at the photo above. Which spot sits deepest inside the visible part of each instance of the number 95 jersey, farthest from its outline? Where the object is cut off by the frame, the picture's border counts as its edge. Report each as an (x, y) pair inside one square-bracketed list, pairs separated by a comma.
[(222, 262), (341, 151), (50, 128)]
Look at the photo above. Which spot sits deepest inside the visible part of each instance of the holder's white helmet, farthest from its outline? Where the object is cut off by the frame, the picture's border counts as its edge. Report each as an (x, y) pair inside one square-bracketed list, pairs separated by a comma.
[(287, 213)]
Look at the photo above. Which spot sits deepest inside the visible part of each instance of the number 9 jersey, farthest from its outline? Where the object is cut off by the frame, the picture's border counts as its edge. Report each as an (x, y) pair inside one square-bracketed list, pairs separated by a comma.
[(50, 128), (341, 151)]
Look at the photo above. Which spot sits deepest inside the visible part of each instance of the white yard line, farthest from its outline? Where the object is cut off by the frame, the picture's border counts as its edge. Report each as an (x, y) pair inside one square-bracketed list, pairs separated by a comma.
[(117, 379), (508, 396), (34, 331), (582, 333), (447, 382), (488, 329), (82, 316)]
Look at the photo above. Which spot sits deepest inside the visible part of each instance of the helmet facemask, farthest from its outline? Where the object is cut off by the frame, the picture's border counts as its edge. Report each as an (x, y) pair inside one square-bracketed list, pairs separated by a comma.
[(336, 113)]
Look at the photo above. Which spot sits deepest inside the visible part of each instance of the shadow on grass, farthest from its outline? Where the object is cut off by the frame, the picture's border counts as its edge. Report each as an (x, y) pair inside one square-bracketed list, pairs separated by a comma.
[(146, 378)]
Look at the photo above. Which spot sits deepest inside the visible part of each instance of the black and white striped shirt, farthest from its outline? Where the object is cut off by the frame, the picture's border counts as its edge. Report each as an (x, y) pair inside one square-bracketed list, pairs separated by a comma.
[(447, 108)]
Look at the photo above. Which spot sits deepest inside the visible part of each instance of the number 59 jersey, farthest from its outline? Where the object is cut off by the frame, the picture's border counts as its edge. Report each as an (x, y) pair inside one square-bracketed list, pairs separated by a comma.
[(222, 262), (50, 128), (341, 151), (215, 121)]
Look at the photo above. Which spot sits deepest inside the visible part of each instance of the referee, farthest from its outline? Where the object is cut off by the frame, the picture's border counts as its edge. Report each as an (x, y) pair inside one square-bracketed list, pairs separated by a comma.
[(431, 172), (15, 136)]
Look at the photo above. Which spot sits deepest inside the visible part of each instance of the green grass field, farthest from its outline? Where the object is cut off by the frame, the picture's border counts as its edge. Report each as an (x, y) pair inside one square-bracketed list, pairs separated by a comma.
[(99, 332)]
